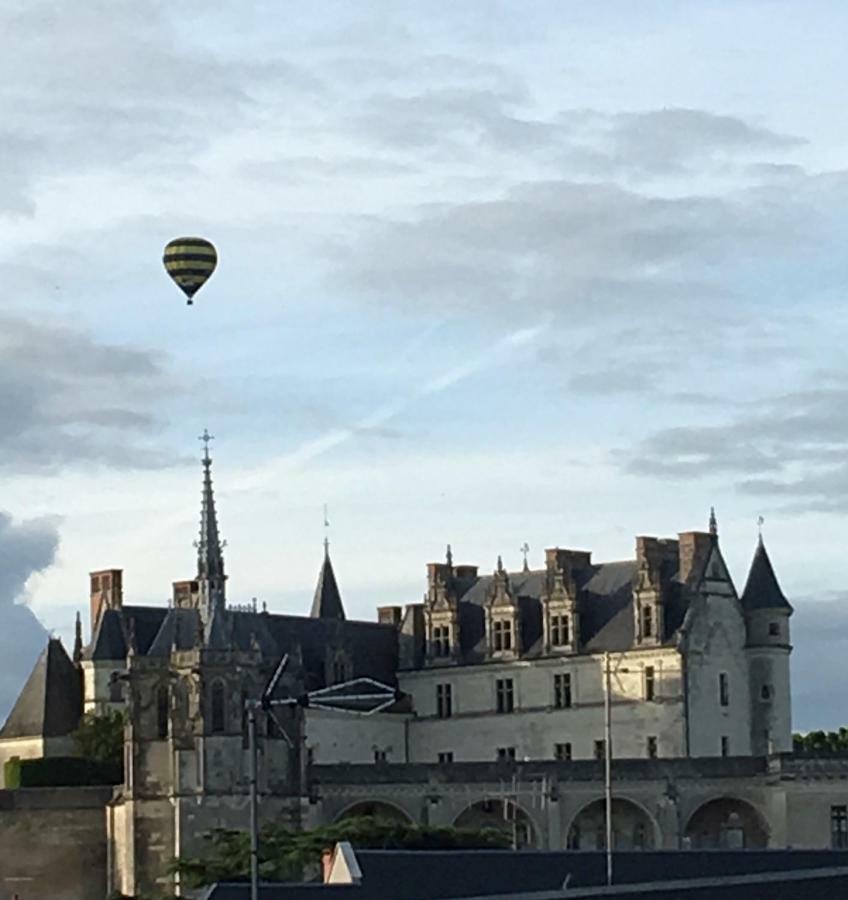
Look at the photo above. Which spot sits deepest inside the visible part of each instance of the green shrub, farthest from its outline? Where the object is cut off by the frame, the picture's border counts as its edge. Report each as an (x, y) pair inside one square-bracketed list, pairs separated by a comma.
[(59, 771)]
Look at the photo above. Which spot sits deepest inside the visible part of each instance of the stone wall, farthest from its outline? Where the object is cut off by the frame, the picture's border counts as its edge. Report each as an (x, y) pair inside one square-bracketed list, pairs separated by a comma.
[(53, 843)]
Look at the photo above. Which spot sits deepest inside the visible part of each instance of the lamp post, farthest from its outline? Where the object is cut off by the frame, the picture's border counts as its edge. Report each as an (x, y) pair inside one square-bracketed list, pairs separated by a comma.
[(608, 760)]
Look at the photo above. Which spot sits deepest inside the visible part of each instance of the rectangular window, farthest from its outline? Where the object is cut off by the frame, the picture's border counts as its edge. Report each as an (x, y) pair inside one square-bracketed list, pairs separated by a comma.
[(652, 747), (839, 827), (445, 757), (723, 689), (562, 751), (506, 753), (444, 701), (562, 690), (380, 756), (725, 745), (560, 633), (600, 749), (774, 629), (650, 683), (441, 640), (648, 621), (504, 696), (502, 634)]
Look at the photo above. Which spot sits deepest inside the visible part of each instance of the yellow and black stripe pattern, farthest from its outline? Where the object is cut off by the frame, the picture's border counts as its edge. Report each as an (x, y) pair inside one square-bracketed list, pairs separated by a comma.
[(190, 261)]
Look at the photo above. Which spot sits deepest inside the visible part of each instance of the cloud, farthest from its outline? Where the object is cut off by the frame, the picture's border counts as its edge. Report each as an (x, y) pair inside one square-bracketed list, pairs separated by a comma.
[(789, 447), (820, 641), (116, 85), (26, 548), (65, 397)]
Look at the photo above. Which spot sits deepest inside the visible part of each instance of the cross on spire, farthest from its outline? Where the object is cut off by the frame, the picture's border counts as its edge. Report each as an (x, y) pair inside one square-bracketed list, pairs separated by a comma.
[(206, 438), (525, 549)]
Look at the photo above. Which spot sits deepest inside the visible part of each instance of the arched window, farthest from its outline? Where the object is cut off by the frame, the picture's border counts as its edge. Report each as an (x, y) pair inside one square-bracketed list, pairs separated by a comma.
[(219, 723), (162, 703), (116, 688)]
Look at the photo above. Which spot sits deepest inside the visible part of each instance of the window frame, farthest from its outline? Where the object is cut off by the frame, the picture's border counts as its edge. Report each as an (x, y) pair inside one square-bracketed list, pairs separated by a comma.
[(563, 690), (504, 696), (444, 700)]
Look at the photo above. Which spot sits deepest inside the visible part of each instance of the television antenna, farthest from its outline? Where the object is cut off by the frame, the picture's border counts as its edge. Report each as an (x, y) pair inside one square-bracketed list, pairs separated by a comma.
[(359, 696)]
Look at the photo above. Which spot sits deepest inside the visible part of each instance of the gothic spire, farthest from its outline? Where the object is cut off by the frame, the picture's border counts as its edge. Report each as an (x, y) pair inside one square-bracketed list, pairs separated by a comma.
[(210, 557), (713, 522), (327, 603)]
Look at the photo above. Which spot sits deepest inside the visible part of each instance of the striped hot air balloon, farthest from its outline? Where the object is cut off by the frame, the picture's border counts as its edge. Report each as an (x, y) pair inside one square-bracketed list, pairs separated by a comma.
[(190, 261)]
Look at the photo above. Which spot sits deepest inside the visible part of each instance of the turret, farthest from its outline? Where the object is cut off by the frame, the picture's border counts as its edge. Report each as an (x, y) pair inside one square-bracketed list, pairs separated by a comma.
[(767, 613)]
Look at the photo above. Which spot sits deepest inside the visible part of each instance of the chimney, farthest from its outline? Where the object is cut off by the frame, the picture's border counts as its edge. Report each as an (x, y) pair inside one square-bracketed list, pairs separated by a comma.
[(186, 594), (567, 560), (694, 549), (107, 592), (326, 864), (389, 615)]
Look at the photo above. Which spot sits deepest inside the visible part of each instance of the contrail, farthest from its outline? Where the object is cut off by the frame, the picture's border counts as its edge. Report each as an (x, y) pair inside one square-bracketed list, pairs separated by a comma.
[(316, 447)]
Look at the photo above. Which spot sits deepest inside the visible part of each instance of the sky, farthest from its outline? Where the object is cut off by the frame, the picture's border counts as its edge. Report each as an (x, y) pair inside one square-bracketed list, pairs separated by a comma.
[(489, 273)]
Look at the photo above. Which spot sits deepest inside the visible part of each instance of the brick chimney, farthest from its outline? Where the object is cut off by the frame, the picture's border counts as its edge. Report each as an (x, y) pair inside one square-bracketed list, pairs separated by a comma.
[(389, 615), (107, 592), (694, 549), (567, 560)]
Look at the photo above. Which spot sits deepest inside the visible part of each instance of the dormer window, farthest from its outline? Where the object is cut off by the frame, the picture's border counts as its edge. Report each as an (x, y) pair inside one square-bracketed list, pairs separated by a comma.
[(502, 635), (441, 640), (647, 622), (560, 631)]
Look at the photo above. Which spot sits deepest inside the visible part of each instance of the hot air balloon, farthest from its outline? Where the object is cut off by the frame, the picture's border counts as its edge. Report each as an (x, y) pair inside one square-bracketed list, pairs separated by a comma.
[(190, 261)]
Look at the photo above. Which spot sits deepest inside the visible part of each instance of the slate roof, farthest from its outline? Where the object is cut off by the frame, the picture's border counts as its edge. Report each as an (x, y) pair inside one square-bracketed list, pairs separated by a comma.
[(762, 590), (50, 704), (327, 603)]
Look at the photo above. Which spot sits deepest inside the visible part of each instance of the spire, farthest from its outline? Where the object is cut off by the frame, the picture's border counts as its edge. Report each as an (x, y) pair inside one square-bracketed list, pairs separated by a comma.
[(762, 590), (210, 558), (449, 556), (713, 522), (327, 603), (78, 638)]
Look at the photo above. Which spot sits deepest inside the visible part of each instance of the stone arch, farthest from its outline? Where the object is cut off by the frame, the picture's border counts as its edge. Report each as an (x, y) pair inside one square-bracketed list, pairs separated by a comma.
[(728, 823), (377, 809), (503, 815), (633, 827)]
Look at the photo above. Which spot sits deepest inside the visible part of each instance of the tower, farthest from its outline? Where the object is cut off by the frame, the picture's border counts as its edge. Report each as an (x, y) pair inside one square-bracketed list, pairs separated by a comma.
[(210, 558), (767, 613)]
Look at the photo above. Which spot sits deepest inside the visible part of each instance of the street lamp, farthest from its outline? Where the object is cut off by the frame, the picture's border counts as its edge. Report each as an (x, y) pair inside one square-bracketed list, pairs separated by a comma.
[(608, 761), (365, 695)]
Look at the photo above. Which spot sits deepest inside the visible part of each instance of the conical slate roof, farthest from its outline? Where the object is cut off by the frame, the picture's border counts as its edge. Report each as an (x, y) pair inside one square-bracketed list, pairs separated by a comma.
[(50, 704), (761, 589), (327, 603)]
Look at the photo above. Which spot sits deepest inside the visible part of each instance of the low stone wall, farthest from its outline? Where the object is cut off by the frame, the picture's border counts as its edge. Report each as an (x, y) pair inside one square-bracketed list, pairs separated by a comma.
[(53, 843)]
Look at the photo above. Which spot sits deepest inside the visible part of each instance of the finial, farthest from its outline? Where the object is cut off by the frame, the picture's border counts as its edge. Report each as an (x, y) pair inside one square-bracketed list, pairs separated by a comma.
[(500, 564), (525, 549), (206, 438), (713, 522), (264, 607), (760, 522), (449, 556), (78, 638), (326, 533)]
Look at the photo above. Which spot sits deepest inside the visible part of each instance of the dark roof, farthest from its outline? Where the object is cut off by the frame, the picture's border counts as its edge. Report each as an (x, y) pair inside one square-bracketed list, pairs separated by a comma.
[(50, 704), (108, 641), (606, 604), (761, 589), (180, 630), (327, 603)]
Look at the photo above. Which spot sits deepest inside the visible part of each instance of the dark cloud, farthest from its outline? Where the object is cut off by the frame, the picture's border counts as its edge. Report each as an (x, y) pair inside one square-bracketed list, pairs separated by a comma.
[(820, 640), (65, 397), (791, 448), (26, 548)]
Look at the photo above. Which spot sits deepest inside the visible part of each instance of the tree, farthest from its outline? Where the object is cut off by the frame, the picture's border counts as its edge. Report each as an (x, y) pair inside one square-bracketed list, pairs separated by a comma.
[(285, 855), (100, 737), (821, 741)]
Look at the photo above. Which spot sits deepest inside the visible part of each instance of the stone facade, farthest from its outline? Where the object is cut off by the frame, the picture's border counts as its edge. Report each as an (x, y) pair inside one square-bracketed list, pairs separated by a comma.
[(501, 683)]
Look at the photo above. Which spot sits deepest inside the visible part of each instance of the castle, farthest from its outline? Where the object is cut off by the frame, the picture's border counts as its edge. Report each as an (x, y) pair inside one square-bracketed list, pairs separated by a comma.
[(501, 680)]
